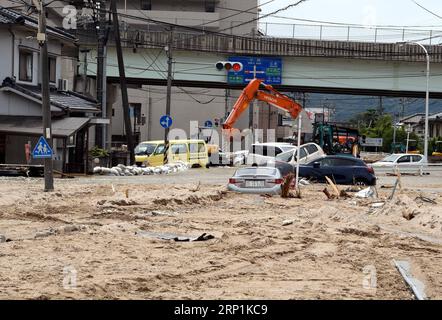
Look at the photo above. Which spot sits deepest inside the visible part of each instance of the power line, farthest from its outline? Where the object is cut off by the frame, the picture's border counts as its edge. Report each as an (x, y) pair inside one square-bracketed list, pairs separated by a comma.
[(428, 10)]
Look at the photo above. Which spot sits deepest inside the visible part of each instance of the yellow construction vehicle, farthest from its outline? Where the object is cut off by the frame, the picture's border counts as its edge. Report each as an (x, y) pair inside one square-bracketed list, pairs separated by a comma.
[(437, 149)]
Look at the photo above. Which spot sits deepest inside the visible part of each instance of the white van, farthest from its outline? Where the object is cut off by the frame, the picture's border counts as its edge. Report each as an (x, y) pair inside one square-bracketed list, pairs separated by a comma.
[(309, 152), (261, 153)]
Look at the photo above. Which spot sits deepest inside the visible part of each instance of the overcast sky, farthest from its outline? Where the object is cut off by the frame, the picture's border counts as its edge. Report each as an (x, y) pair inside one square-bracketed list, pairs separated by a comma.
[(380, 12)]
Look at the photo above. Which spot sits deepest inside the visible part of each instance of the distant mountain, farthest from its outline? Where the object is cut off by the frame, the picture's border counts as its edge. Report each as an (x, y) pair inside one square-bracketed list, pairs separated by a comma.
[(347, 106)]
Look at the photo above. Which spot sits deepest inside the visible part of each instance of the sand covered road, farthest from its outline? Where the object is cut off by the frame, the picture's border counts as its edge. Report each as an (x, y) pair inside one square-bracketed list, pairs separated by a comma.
[(334, 249)]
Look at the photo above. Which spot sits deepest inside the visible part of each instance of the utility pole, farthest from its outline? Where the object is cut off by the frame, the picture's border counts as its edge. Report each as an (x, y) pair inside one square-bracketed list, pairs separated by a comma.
[(123, 83), (85, 52), (168, 93), (45, 97), (381, 106), (101, 130)]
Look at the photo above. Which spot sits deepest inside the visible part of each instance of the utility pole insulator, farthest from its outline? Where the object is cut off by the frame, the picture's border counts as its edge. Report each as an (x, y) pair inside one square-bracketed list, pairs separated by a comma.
[(41, 37)]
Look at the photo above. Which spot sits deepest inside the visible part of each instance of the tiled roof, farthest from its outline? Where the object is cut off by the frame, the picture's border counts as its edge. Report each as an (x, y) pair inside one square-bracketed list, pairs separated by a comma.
[(68, 101), (8, 16)]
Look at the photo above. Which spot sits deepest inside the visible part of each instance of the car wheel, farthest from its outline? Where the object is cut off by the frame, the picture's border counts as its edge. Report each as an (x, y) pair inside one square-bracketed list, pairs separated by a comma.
[(361, 182)]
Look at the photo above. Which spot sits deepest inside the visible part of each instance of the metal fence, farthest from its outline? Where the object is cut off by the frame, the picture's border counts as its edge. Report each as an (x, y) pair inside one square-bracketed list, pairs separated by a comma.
[(349, 33)]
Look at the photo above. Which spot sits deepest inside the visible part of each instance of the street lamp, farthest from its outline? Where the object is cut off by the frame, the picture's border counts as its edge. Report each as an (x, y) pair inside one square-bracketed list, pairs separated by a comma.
[(427, 96)]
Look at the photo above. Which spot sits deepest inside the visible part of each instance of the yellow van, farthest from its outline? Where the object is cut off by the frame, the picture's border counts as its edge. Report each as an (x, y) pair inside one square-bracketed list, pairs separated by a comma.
[(151, 153)]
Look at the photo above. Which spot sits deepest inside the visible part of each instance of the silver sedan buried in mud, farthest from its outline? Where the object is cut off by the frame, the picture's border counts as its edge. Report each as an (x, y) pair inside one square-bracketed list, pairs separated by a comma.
[(265, 180)]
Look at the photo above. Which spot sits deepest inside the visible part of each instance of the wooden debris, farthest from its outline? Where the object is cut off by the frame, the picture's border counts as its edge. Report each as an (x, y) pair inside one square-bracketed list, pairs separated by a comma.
[(333, 186), (63, 175), (197, 188), (327, 193), (285, 189), (425, 199), (344, 194)]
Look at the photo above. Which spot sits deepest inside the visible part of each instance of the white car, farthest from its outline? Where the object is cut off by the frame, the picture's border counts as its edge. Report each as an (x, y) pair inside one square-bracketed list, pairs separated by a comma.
[(401, 159), (309, 152), (261, 153)]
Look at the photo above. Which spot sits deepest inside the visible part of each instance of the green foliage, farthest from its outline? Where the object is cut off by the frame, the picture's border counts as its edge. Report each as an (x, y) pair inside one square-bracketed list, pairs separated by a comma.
[(373, 125), (97, 152)]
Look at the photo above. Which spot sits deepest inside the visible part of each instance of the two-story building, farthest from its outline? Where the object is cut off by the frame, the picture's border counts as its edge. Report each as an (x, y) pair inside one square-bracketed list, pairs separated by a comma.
[(20, 94)]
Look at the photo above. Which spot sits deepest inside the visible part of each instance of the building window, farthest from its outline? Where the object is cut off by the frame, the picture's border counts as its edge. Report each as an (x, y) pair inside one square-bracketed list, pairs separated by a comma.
[(52, 69), (146, 4), (210, 5), (26, 61)]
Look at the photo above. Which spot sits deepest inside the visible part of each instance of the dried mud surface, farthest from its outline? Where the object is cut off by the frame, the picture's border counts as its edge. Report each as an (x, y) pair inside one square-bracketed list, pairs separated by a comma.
[(328, 251)]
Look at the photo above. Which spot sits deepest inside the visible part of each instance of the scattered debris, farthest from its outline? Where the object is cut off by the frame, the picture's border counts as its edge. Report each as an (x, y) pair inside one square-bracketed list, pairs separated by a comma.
[(365, 193), (328, 194), (174, 237), (122, 170), (404, 174), (161, 213), (2, 238), (425, 199), (396, 185), (63, 175), (377, 204), (408, 214), (287, 222), (127, 193), (416, 286), (304, 182), (45, 233), (197, 188), (353, 189), (361, 233), (123, 202), (344, 194)]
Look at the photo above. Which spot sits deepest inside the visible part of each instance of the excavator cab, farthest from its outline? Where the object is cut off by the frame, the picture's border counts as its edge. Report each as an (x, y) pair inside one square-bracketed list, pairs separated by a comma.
[(336, 140)]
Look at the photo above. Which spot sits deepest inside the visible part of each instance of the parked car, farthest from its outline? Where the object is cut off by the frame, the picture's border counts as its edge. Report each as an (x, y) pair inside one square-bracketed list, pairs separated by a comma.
[(342, 169), (309, 151), (401, 159), (261, 153), (266, 180), (151, 153)]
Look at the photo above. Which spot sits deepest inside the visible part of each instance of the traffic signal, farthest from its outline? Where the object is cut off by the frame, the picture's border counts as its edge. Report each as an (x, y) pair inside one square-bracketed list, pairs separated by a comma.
[(229, 66)]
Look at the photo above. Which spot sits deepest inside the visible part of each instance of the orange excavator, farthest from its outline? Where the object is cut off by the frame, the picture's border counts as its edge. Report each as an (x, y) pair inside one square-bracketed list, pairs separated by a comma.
[(268, 94)]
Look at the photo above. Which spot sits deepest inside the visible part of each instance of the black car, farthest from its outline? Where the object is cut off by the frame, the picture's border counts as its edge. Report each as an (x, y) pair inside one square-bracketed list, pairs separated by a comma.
[(342, 169)]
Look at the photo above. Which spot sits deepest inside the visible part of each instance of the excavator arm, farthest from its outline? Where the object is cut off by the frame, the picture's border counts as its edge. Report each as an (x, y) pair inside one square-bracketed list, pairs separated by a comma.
[(270, 95)]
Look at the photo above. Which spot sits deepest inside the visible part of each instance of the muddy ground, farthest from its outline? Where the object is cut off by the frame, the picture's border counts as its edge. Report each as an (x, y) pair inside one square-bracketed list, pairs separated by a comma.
[(81, 242)]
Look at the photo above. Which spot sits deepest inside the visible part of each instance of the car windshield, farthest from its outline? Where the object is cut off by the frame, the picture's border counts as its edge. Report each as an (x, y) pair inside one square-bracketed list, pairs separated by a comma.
[(259, 171), (391, 158), (289, 148), (286, 156), (145, 149)]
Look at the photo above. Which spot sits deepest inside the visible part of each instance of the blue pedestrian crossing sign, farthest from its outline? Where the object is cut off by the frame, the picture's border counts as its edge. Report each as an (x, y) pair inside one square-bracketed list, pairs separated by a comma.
[(42, 149), (208, 124), (166, 121)]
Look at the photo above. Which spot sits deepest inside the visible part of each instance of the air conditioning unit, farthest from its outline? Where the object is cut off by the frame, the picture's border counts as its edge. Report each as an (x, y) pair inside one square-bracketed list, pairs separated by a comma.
[(63, 85)]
